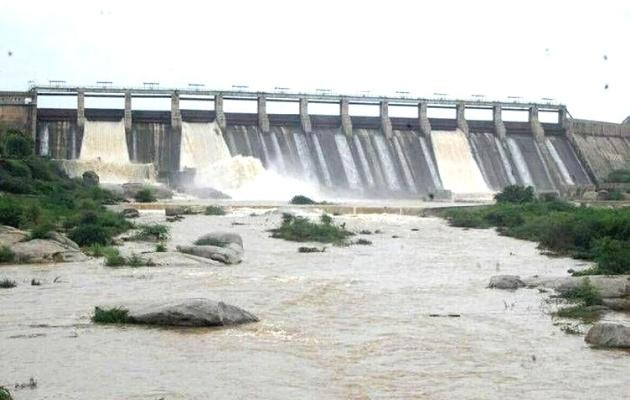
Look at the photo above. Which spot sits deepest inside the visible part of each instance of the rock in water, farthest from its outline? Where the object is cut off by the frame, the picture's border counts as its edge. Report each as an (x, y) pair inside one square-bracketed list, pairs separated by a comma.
[(608, 335), (130, 213), (160, 192), (230, 254), (224, 237), (90, 178), (506, 282), (190, 312), (47, 251)]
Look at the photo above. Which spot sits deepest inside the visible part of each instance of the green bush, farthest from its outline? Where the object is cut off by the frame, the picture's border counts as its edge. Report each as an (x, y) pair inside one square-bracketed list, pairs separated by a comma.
[(612, 256), (300, 229), (586, 293), (215, 210), (160, 248), (145, 196), (17, 145), (16, 168), (6, 254), (95, 250), (585, 313), (113, 257), (5, 394), (10, 212), (115, 315), (299, 199), (15, 185), (153, 232), (88, 234), (515, 194), (42, 231), (613, 195), (136, 261)]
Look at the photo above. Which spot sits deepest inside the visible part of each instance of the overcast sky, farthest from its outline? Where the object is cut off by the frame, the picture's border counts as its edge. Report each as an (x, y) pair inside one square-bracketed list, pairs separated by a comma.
[(576, 52)]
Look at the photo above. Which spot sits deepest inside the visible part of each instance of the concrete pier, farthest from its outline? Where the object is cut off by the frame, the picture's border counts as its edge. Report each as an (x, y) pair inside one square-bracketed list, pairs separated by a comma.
[(305, 119), (176, 114), (128, 121), (346, 121), (218, 111), (263, 118), (386, 123), (535, 125), (460, 112), (499, 126), (81, 110), (33, 116), (423, 120)]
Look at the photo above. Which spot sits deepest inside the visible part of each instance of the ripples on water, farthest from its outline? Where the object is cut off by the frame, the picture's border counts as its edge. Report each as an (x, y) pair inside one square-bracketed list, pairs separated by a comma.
[(352, 322)]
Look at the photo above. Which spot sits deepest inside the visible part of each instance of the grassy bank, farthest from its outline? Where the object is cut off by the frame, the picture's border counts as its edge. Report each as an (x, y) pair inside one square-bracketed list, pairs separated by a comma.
[(601, 235), (36, 195)]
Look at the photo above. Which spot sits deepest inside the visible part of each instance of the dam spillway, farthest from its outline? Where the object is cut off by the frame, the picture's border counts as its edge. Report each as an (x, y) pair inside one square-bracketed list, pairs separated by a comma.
[(342, 155)]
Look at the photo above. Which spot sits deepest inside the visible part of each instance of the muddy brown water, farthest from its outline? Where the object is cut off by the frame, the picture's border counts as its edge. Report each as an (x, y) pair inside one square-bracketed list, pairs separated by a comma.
[(353, 322)]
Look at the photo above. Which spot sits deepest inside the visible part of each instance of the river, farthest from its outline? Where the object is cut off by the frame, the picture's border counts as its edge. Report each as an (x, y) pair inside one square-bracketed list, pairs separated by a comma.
[(351, 323)]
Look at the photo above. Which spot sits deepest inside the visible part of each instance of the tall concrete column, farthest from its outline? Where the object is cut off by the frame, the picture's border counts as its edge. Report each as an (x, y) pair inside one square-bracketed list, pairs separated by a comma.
[(81, 110), (386, 123), (346, 121), (176, 114), (305, 119), (536, 126), (127, 112), (460, 111), (33, 116), (263, 118), (499, 126), (218, 111), (423, 120)]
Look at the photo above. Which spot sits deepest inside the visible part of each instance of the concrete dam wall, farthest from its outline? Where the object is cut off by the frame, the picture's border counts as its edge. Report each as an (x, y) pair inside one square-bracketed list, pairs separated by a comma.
[(343, 155)]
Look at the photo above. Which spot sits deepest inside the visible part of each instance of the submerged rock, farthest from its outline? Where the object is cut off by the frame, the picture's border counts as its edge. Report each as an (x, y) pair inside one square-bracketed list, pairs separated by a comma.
[(172, 211), (230, 254), (224, 237), (608, 335), (204, 192), (130, 213), (607, 286), (506, 282), (160, 192), (10, 235), (189, 312)]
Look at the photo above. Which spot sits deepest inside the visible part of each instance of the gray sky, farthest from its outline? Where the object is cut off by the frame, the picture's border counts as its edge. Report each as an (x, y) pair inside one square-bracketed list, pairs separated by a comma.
[(576, 52)]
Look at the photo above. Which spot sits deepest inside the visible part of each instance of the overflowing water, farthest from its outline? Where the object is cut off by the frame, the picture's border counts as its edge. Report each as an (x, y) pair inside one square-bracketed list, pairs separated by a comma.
[(348, 162), (364, 163), (304, 154), (322, 161), (44, 142), (432, 168), (350, 323), (202, 144), (387, 163), (458, 169), (405, 167), (105, 141), (505, 161), (559, 163), (519, 160)]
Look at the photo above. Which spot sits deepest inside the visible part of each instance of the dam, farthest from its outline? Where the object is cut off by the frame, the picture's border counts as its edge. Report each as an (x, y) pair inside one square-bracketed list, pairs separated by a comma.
[(341, 154)]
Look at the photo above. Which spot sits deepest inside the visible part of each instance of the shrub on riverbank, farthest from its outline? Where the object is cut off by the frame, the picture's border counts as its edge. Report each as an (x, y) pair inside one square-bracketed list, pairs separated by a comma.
[(5, 394), (7, 284), (587, 297), (300, 229), (145, 195), (113, 258), (215, 210), (153, 232), (302, 200), (114, 315), (38, 196), (6, 254), (515, 194), (619, 176), (596, 234)]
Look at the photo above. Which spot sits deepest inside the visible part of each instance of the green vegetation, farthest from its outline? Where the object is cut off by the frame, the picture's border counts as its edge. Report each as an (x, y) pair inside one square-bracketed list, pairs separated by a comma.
[(215, 210), (5, 394), (302, 200), (6, 254), (300, 229), (598, 234), (209, 241), (35, 282), (7, 284), (39, 197), (612, 195), (145, 195), (160, 248), (113, 258), (587, 296), (95, 250), (515, 194), (116, 315), (153, 232), (619, 176)]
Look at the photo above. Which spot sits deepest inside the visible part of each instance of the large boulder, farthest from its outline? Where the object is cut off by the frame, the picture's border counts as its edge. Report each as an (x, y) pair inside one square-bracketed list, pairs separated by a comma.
[(510, 282), (90, 178), (131, 189), (224, 237), (10, 235), (617, 304), (607, 286), (189, 312), (172, 211), (204, 192), (47, 251), (230, 254), (608, 335)]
